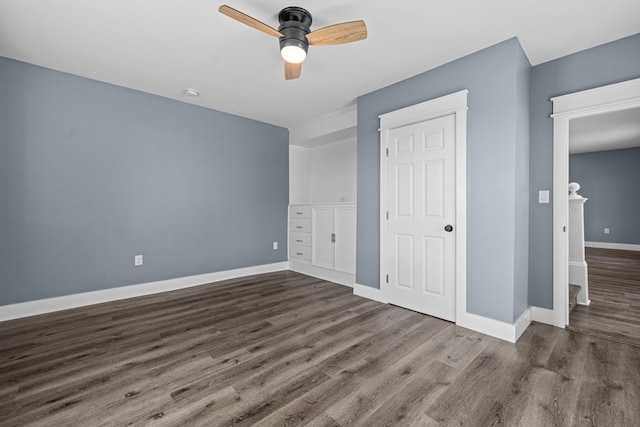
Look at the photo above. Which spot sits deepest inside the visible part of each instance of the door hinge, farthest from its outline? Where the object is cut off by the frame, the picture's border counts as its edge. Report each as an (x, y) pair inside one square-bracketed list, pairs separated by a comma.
[(387, 215), (387, 152), (564, 229), (387, 278)]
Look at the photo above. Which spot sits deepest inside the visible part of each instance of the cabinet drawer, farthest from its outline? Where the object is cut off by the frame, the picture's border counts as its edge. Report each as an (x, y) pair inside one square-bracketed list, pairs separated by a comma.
[(299, 211), (300, 252), (300, 225), (300, 239)]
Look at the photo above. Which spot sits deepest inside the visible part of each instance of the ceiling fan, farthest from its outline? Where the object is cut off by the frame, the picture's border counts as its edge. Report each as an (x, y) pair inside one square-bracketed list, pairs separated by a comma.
[(295, 34)]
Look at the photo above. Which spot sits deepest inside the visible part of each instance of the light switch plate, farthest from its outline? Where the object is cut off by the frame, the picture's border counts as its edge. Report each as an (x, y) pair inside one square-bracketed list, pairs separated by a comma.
[(543, 196)]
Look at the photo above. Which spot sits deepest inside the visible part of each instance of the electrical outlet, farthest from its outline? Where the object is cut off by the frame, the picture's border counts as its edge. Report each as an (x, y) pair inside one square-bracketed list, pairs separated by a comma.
[(137, 260), (606, 230), (275, 246)]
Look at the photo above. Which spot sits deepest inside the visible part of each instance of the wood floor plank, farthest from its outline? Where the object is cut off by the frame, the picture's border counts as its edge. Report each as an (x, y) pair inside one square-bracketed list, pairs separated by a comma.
[(607, 391), (464, 349), (386, 384), (405, 406), (261, 368), (614, 291), (351, 375), (284, 349), (321, 421), (475, 397), (568, 359), (273, 399), (531, 400)]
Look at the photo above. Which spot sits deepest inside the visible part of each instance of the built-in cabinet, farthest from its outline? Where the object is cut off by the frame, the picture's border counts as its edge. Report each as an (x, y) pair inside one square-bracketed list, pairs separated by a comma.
[(334, 234), (322, 241), (300, 232), (322, 196)]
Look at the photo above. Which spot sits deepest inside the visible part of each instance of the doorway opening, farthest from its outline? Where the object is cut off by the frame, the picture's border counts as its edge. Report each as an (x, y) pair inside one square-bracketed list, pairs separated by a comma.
[(614, 291), (586, 104), (604, 159)]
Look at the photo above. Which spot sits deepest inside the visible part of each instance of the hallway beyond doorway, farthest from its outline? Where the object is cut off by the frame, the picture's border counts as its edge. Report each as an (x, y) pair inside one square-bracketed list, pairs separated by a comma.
[(614, 290)]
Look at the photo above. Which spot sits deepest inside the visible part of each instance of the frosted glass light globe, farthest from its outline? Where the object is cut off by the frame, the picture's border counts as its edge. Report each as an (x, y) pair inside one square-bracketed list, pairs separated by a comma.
[(293, 54)]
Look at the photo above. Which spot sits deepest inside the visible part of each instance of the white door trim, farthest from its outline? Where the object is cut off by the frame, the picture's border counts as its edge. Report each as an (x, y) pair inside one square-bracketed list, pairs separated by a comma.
[(615, 97), (455, 103)]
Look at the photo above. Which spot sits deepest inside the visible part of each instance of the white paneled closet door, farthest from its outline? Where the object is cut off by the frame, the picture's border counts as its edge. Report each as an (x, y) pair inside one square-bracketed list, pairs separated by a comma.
[(421, 167)]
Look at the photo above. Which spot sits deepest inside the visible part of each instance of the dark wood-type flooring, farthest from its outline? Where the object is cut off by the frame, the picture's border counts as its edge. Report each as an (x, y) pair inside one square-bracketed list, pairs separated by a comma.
[(614, 291), (283, 349)]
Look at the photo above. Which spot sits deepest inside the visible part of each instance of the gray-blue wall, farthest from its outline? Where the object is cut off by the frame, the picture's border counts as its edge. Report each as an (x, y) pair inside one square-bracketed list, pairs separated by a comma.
[(93, 174), (611, 182), (497, 80), (610, 63), (522, 103)]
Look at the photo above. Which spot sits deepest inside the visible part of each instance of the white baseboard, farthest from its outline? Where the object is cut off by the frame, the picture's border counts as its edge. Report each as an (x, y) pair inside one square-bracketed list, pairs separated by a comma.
[(542, 315), (502, 330), (368, 292), (495, 328), (607, 245), (507, 331), (522, 323), (338, 277), (32, 308)]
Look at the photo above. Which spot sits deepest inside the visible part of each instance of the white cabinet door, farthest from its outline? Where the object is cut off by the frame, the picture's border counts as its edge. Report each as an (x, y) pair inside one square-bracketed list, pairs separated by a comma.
[(323, 246), (345, 240)]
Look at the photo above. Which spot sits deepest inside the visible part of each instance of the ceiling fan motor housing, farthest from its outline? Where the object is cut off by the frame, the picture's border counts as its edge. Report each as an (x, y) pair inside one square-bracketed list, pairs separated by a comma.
[(295, 23)]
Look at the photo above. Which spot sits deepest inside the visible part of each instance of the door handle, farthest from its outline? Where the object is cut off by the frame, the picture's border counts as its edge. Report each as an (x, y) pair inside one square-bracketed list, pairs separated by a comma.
[(448, 228)]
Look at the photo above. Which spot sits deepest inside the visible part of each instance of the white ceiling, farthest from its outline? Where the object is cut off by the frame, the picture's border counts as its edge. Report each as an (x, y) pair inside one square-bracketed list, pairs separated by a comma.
[(609, 131), (165, 46)]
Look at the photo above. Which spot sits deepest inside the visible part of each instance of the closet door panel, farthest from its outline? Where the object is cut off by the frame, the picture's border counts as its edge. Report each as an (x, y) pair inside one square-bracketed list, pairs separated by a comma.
[(345, 244), (322, 224)]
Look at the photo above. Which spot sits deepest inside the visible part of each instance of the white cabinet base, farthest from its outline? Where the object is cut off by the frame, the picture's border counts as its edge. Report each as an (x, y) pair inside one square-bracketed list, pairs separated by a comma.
[(334, 237), (322, 241), (339, 277)]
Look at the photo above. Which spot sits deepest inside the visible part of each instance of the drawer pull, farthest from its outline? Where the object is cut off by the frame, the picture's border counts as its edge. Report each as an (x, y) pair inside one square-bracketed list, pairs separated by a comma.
[(298, 253), (299, 213), (299, 241), (299, 226)]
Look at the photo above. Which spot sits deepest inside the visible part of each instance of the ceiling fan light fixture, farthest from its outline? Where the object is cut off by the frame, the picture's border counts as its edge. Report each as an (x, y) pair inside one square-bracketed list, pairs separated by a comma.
[(295, 34), (293, 53), (294, 27)]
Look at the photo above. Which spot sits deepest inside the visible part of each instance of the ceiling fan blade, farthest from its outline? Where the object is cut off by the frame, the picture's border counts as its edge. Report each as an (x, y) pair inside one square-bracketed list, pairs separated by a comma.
[(292, 71), (248, 20), (346, 32)]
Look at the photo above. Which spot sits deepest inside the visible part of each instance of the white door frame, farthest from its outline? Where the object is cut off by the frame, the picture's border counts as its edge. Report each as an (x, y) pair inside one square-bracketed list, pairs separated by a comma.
[(455, 103), (605, 99)]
